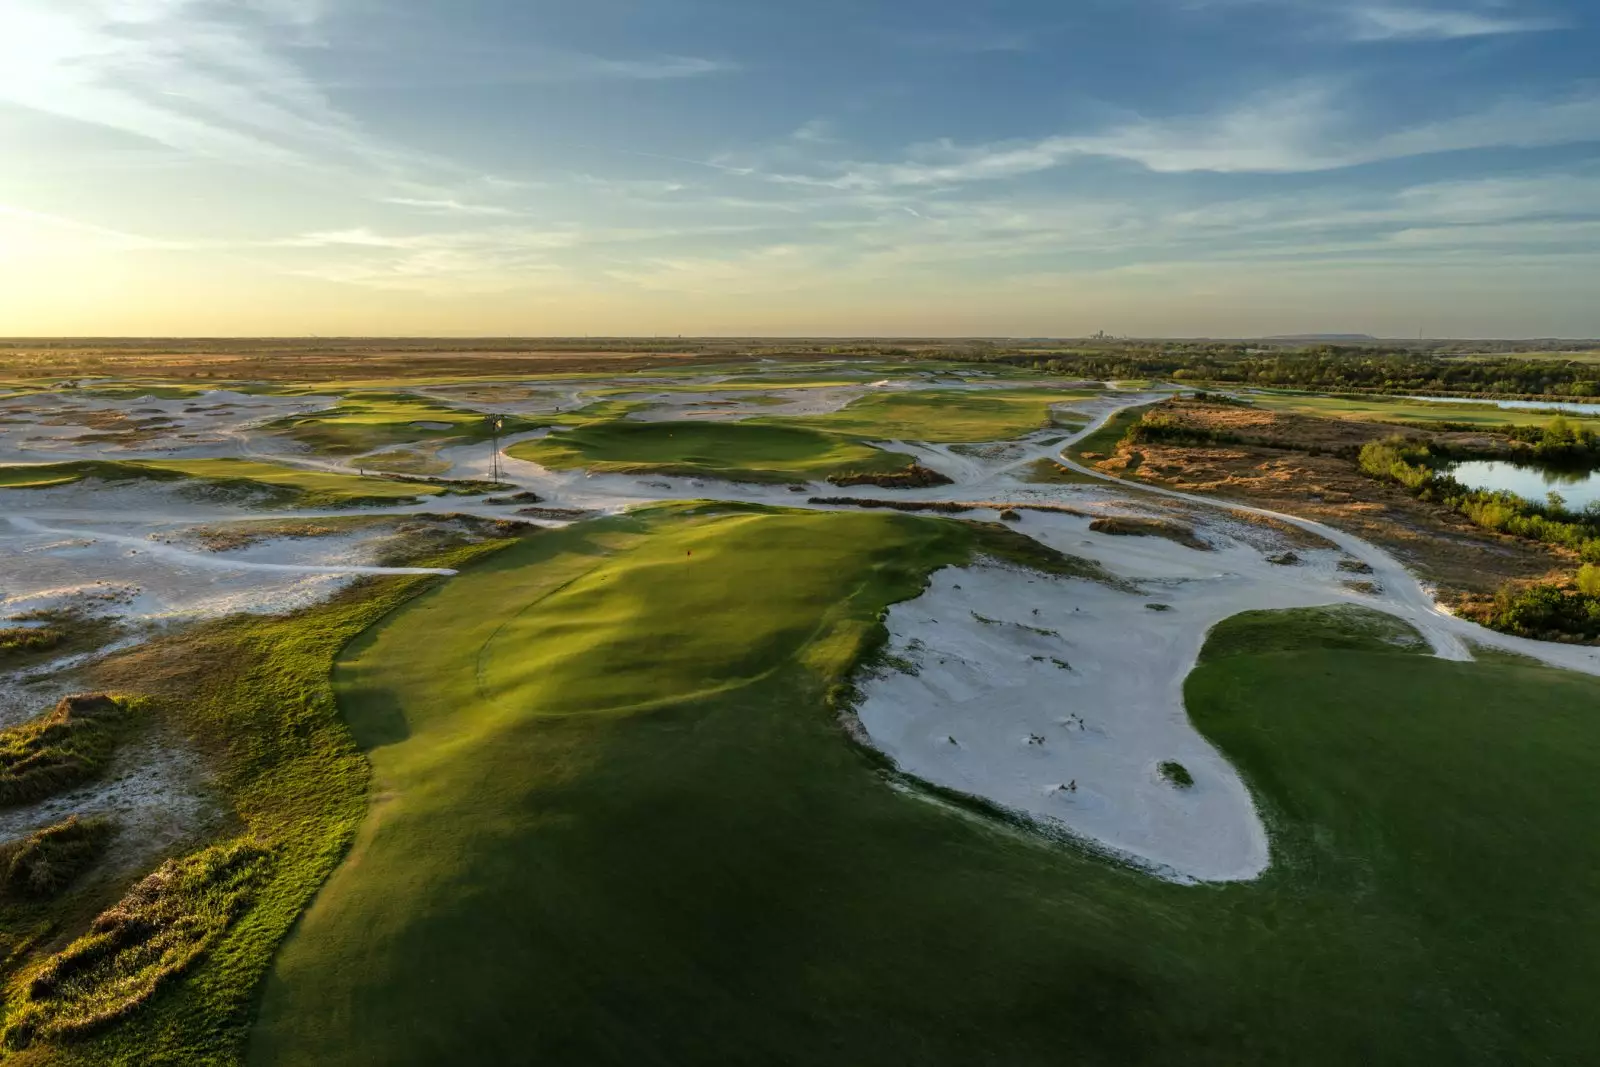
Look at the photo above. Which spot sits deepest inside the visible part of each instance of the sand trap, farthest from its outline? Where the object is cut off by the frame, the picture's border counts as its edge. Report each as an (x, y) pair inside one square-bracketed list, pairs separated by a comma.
[(1050, 697)]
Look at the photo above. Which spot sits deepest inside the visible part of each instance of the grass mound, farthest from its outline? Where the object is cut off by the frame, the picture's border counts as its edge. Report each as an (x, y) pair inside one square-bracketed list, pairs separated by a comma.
[(60, 749), (732, 451), (1047, 471), (19, 639), (1345, 627), (48, 860), (1128, 526), (915, 476), (153, 935)]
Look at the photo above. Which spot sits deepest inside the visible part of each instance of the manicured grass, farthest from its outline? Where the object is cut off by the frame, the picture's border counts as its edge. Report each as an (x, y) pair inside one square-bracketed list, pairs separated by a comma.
[(1103, 442), (297, 486), (174, 975), (321, 486), (616, 822), (47, 475), (1393, 409), (1343, 626), (738, 451), (364, 421), (939, 415)]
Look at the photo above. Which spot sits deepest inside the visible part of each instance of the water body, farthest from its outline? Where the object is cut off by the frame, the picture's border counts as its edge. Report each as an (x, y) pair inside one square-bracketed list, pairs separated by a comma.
[(1571, 407), (1578, 488)]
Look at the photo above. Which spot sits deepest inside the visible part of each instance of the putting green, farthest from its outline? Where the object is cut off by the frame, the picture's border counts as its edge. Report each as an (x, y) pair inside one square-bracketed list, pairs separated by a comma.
[(731, 450), (365, 421), (943, 415), (615, 822)]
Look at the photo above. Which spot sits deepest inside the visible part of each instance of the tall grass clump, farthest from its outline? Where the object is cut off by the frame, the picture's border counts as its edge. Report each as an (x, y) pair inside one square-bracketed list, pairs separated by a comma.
[(48, 860), (60, 749), (155, 933)]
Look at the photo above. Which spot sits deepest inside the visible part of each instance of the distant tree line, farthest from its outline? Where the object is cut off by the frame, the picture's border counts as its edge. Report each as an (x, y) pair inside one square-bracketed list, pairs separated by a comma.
[(1325, 368)]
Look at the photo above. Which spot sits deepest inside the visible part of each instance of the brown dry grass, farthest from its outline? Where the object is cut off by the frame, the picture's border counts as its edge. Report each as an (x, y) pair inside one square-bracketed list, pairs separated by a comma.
[(1445, 549), (1256, 426)]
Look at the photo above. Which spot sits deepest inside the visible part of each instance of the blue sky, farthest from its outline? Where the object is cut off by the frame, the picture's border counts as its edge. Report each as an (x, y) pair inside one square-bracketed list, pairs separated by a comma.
[(1155, 167)]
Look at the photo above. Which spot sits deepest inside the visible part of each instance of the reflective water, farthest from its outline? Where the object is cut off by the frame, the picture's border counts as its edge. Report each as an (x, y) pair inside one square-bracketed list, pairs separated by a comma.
[(1577, 488), (1575, 407)]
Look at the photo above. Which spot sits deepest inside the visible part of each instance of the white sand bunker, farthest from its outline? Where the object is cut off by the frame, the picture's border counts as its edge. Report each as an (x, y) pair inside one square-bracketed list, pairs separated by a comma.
[(1058, 698)]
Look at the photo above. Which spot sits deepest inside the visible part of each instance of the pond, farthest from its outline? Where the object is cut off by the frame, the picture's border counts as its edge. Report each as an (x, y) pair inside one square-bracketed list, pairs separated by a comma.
[(1568, 407), (1532, 482)]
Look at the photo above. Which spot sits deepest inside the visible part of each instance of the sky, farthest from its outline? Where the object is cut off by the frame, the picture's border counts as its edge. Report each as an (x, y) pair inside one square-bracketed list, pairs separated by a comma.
[(832, 167)]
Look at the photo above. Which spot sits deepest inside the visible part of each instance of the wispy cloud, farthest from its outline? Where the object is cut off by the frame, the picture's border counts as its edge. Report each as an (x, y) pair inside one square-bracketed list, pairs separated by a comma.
[(449, 207), (227, 82), (1381, 23), (1298, 130)]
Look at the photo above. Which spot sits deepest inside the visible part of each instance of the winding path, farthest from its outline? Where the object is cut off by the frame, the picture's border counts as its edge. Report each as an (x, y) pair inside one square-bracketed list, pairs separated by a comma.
[(1403, 595)]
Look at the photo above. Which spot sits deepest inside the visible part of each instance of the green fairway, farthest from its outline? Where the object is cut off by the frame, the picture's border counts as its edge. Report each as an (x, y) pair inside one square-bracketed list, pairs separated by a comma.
[(733, 450), (1396, 409), (943, 416), (325, 486), (615, 822), (1103, 442), (364, 421), (40, 475), (293, 485)]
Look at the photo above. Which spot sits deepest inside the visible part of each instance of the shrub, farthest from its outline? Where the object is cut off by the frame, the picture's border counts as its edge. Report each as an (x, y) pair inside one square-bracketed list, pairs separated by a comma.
[(29, 639), (1589, 580), (915, 476), (1176, 773)]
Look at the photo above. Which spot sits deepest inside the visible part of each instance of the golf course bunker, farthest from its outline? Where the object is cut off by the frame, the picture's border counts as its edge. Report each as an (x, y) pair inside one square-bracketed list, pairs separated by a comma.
[(1056, 698)]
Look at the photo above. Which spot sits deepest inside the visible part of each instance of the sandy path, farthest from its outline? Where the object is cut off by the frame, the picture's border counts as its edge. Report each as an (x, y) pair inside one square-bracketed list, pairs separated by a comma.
[(205, 560), (1402, 594)]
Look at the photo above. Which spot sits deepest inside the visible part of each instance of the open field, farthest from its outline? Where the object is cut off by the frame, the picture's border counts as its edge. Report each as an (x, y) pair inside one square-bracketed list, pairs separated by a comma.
[(738, 451), (929, 937)]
